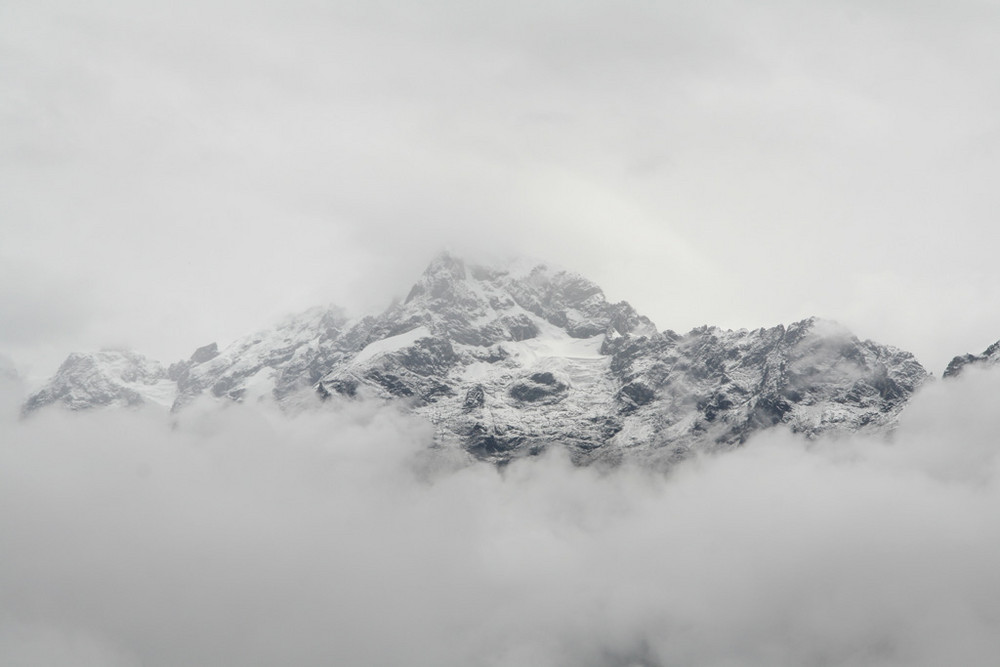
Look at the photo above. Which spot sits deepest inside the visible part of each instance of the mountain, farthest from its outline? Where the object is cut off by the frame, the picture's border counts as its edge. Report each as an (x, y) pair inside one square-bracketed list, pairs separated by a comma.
[(109, 378), (507, 361), (989, 357), (278, 362)]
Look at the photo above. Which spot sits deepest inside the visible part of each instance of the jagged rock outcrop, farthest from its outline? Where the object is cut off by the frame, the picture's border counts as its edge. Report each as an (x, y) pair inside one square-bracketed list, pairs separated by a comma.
[(118, 378), (989, 357), (508, 362), (716, 388), (275, 362)]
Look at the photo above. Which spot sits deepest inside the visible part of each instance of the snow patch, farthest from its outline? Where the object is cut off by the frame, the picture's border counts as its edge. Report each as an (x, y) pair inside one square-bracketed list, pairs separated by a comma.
[(554, 342), (391, 344), (260, 385), (163, 392)]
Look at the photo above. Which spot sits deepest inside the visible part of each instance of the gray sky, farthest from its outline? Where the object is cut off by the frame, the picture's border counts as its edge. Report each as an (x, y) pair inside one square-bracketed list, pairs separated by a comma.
[(177, 173)]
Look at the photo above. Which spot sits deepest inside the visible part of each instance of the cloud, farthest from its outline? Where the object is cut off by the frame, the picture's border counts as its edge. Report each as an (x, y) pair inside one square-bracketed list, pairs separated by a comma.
[(38, 305), (222, 165), (240, 536)]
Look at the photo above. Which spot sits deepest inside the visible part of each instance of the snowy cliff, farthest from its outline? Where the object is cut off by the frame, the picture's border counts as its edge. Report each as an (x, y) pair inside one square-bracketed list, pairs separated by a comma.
[(506, 362)]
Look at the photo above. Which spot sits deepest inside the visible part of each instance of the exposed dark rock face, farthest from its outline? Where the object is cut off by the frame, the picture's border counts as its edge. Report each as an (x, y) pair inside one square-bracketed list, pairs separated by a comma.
[(716, 388), (989, 357), (520, 327), (205, 353), (475, 397), (538, 387), (507, 363)]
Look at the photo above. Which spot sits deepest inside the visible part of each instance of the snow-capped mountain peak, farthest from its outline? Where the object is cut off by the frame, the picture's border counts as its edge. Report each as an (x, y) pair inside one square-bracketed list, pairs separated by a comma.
[(110, 377), (507, 362)]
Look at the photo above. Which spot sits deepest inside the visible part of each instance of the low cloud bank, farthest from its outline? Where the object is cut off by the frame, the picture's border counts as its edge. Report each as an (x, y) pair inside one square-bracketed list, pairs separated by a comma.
[(239, 537)]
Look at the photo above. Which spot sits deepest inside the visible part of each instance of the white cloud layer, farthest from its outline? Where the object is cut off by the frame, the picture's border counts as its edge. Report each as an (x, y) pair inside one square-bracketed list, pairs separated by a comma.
[(188, 172), (240, 537)]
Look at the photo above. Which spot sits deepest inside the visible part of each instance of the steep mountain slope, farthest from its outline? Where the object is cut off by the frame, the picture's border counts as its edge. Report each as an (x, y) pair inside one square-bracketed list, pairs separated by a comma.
[(109, 378), (714, 388), (506, 362), (277, 362), (989, 357)]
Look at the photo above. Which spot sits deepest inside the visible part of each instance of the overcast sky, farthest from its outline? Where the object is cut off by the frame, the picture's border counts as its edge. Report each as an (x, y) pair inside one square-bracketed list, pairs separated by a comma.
[(177, 173)]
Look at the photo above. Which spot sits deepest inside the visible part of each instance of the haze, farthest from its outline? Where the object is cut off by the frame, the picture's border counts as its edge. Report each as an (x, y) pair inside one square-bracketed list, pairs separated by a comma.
[(173, 174), (177, 174), (240, 536)]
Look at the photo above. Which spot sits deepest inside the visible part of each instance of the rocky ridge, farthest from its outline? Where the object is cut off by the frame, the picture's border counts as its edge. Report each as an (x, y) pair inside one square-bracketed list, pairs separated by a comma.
[(507, 362), (109, 378), (989, 357)]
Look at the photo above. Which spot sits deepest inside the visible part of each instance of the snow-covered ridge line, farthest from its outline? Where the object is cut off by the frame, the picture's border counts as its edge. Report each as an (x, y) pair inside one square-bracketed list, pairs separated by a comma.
[(507, 363), (989, 358)]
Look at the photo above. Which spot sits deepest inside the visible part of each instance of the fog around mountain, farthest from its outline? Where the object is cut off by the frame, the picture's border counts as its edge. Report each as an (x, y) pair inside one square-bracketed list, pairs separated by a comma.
[(245, 536), (176, 174), (173, 174), (507, 362)]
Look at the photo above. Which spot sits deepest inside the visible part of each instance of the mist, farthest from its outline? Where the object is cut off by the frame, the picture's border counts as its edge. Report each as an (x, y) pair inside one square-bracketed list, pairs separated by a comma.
[(240, 535), (224, 164)]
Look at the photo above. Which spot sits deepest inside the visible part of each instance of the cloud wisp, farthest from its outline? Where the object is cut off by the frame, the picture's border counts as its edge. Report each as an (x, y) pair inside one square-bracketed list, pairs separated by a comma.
[(238, 536)]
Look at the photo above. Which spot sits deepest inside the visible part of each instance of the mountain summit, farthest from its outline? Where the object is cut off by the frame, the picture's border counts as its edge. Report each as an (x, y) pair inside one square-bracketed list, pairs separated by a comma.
[(507, 362), (990, 357)]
